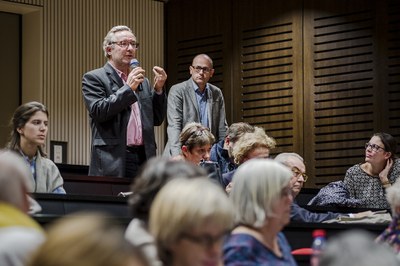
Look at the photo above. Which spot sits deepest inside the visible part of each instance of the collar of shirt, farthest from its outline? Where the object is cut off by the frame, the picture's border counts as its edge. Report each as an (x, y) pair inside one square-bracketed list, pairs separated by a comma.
[(121, 74), (197, 89)]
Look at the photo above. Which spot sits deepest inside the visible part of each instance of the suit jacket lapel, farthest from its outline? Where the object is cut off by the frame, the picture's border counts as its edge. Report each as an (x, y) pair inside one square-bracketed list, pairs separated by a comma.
[(209, 107), (192, 95), (113, 75)]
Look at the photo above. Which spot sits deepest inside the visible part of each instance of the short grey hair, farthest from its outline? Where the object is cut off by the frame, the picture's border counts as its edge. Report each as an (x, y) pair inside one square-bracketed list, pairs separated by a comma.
[(284, 157), (257, 186), (110, 37), (356, 248), (393, 195)]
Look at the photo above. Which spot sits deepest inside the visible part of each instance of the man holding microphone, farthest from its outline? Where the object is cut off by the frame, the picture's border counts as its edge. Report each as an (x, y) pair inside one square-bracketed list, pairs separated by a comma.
[(123, 108)]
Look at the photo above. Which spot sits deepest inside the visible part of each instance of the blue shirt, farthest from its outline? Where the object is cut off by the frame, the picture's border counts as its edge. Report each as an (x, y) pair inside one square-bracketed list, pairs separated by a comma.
[(201, 98), (244, 249)]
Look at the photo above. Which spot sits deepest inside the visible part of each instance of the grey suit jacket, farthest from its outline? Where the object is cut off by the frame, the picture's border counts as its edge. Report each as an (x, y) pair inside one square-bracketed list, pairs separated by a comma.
[(183, 108), (109, 102)]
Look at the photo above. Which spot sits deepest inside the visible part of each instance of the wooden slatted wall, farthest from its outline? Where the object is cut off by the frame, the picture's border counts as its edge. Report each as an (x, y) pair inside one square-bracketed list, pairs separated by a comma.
[(343, 90), (267, 81), (393, 73)]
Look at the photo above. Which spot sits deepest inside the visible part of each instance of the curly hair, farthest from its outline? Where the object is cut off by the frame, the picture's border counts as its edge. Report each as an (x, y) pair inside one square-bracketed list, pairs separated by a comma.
[(250, 141)]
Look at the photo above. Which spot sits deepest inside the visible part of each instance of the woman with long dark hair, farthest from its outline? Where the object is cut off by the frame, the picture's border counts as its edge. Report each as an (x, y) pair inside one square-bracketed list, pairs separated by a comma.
[(368, 180), (28, 135)]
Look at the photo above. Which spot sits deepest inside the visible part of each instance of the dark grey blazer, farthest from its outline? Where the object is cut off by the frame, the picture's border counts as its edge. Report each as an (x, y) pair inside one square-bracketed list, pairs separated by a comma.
[(183, 108), (109, 102)]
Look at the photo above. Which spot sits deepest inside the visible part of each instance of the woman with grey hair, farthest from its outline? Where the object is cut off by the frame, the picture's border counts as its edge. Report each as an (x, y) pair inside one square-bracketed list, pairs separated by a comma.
[(262, 198), (189, 220), (391, 235)]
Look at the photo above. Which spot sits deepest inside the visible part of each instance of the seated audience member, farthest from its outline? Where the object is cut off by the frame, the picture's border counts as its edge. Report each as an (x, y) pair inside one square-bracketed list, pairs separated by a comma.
[(221, 152), (153, 176), (367, 181), (391, 235), (28, 136), (298, 169), (251, 145), (20, 235), (196, 141), (262, 198), (86, 240), (298, 214), (356, 248), (189, 219)]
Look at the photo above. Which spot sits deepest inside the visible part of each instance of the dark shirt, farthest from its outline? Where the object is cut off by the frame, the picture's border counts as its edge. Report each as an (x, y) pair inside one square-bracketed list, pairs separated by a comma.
[(227, 178), (243, 249), (219, 155), (299, 214)]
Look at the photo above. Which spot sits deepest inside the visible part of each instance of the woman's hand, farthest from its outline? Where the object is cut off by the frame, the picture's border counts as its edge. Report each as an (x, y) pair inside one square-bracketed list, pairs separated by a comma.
[(383, 176)]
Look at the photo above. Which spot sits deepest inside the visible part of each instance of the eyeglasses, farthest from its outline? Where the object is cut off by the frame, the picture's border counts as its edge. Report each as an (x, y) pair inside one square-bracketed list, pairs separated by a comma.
[(125, 44), (374, 147), (297, 173), (198, 69), (206, 240)]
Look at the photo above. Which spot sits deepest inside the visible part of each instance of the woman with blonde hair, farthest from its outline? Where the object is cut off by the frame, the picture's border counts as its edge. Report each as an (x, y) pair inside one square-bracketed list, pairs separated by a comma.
[(262, 198), (189, 219), (251, 145), (87, 240)]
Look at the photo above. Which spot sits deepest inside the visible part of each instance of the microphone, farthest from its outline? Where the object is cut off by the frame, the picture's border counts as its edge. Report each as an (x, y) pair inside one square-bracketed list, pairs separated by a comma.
[(134, 64)]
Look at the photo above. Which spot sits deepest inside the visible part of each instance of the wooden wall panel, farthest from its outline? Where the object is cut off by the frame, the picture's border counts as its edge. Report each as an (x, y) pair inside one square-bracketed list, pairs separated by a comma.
[(350, 89), (269, 91), (393, 72)]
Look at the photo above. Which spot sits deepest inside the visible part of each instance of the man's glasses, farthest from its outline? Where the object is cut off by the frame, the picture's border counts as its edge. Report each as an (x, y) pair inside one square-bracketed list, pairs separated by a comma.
[(125, 44), (198, 69), (297, 173), (374, 147), (206, 240)]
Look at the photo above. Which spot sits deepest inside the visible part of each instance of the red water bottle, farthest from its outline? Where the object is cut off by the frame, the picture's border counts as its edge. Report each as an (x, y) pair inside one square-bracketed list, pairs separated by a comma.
[(318, 246)]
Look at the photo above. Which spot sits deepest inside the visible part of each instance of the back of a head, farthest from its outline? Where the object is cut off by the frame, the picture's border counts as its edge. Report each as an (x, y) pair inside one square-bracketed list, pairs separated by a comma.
[(237, 130), (356, 248), (257, 185), (183, 205), (153, 176), (15, 179), (87, 240), (250, 141), (393, 196)]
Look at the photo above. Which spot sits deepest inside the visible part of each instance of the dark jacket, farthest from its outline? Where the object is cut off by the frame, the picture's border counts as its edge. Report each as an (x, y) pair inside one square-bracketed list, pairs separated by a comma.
[(109, 102), (299, 214), (219, 155)]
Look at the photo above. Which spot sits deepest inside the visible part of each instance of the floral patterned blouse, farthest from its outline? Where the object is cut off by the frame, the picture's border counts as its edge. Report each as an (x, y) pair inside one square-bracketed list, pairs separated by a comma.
[(369, 188)]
